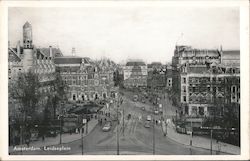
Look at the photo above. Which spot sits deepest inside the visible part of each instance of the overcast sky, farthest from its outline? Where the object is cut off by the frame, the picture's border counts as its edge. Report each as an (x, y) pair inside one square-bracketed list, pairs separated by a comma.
[(121, 33)]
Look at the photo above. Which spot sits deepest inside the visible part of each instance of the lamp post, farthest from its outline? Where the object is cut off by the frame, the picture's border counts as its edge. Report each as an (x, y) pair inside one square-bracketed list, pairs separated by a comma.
[(211, 141), (117, 129), (84, 121), (123, 121), (60, 117), (154, 136)]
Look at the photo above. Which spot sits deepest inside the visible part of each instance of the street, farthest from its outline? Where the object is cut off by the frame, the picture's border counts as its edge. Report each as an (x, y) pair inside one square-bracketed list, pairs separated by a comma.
[(135, 139)]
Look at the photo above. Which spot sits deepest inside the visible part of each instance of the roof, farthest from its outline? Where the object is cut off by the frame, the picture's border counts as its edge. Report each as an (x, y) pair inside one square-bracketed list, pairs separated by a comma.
[(26, 25), (68, 60), (231, 54), (135, 63), (12, 56), (72, 60), (156, 63), (56, 52)]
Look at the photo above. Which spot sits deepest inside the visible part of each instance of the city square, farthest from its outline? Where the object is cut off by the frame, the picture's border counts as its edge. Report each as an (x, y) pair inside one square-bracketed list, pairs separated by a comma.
[(76, 103)]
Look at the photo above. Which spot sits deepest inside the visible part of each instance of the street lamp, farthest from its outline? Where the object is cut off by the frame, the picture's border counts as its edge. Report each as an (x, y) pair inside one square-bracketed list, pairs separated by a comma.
[(117, 129), (84, 121), (61, 118), (154, 136), (211, 141)]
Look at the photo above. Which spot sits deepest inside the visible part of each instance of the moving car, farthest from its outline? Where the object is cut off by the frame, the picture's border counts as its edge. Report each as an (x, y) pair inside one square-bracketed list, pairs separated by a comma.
[(147, 124), (106, 127), (156, 112), (129, 116), (149, 118), (135, 98)]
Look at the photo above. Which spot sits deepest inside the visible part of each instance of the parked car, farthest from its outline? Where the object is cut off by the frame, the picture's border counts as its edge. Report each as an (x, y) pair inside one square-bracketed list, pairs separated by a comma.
[(149, 118), (106, 127), (129, 116), (156, 112), (143, 108), (135, 98), (147, 124), (51, 133)]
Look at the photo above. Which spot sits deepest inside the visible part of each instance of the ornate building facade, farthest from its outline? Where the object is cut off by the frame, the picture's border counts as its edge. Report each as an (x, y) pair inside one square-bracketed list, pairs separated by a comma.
[(205, 82), (203, 89), (25, 58), (87, 80)]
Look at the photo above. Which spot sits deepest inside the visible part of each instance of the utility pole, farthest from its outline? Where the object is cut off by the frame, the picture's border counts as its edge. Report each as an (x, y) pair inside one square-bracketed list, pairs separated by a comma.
[(191, 135), (84, 121), (123, 120), (154, 136), (60, 142), (211, 141), (117, 130), (82, 138), (86, 126)]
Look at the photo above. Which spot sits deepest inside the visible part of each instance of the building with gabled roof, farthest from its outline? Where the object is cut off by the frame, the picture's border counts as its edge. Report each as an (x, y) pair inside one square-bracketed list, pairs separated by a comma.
[(27, 57), (135, 74), (87, 80)]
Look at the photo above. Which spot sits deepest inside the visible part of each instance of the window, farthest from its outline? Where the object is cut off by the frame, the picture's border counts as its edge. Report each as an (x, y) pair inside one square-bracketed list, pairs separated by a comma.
[(201, 111), (184, 88), (234, 89), (184, 98), (184, 80)]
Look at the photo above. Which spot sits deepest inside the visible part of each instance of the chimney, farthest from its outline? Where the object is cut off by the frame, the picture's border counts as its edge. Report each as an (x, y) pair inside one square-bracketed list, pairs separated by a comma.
[(18, 48), (50, 52)]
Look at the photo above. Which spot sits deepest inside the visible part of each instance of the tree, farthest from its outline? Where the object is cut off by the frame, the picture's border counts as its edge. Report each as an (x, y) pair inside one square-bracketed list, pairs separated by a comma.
[(59, 88), (26, 91)]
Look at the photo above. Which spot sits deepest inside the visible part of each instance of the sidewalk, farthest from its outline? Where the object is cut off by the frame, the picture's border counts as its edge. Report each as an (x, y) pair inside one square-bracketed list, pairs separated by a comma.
[(200, 142), (66, 138)]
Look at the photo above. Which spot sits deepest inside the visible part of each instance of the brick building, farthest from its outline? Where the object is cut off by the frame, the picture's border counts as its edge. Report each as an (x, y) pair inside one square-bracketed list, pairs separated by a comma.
[(156, 75), (27, 57), (87, 80), (187, 54), (204, 90), (135, 74)]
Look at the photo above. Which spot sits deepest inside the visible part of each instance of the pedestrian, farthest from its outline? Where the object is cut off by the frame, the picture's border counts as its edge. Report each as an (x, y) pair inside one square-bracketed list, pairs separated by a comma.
[(27, 141), (43, 138), (219, 147)]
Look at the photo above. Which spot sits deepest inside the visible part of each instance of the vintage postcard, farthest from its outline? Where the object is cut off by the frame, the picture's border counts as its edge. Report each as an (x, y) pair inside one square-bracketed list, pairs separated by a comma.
[(150, 80)]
